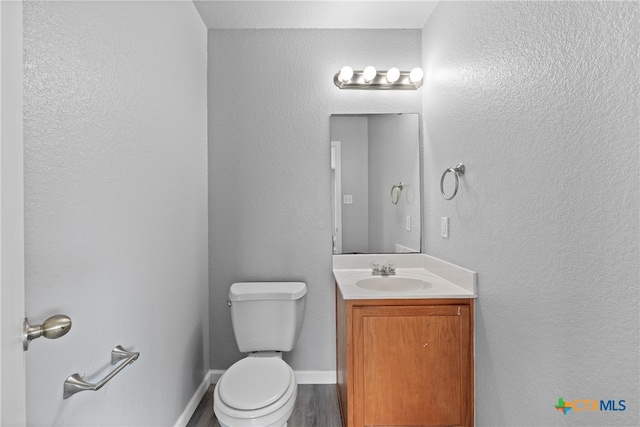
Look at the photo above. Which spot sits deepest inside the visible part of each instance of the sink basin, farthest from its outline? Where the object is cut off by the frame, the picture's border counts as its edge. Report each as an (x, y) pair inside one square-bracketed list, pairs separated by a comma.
[(393, 284)]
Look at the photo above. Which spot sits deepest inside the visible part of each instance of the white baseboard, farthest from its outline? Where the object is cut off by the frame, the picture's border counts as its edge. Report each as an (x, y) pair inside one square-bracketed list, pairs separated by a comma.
[(212, 377), (215, 375), (186, 415), (316, 377)]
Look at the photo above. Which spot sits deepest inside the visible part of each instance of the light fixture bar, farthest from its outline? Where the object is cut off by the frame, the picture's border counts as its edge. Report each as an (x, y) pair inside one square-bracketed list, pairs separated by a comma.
[(379, 82)]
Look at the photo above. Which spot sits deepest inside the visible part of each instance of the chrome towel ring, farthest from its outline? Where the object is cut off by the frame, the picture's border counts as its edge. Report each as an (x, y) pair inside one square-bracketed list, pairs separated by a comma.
[(457, 171), (395, 192)]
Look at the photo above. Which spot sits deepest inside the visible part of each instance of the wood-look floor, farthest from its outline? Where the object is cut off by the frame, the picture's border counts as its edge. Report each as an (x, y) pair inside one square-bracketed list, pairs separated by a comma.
[(316, 406)]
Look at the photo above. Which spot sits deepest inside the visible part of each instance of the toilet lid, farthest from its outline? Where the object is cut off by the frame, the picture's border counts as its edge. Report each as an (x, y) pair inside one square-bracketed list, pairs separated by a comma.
[(254, 382)]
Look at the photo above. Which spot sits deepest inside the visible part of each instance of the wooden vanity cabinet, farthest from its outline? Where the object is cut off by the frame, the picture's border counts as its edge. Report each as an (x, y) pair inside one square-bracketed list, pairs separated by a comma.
[(405, 362)]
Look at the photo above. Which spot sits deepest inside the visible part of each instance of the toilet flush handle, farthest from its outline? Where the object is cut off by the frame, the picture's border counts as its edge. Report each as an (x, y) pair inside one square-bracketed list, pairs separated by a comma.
[(228, 303)]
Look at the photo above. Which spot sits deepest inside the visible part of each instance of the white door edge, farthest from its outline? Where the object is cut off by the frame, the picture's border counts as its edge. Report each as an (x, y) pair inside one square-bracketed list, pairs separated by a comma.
[(12, 293)]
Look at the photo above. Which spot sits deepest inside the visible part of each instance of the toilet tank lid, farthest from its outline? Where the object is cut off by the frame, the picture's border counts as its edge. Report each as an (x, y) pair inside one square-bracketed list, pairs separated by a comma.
[(248, 291)]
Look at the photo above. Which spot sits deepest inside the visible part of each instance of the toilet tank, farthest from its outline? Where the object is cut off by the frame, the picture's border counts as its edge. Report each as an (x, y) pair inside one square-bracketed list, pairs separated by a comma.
[(267, 316)]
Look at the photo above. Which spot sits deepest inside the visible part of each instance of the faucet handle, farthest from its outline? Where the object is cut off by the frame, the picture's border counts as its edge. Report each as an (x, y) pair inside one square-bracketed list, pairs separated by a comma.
[(391, 267), (375, 268)]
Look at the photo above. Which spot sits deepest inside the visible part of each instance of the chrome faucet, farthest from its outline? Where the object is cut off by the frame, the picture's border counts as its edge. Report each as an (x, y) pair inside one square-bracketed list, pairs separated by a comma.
[(383, 270)]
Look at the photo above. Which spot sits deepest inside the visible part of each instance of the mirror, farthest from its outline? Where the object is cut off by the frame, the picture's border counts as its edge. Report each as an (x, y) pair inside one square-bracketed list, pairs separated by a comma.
[(375, 179)]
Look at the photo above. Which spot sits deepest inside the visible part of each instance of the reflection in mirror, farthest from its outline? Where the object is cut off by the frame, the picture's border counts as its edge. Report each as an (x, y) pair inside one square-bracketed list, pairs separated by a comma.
[(375, 177)]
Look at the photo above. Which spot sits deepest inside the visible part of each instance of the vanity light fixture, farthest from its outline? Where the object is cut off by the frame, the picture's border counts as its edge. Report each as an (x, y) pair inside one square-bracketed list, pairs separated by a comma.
[(369, 74), (416, 75), (345, 74), (393, 75), (370, 78)]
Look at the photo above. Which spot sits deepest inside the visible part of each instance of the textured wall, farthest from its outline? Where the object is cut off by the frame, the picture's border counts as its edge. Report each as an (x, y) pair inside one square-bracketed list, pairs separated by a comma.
[(116, 211), (271, 94), (540, 101)]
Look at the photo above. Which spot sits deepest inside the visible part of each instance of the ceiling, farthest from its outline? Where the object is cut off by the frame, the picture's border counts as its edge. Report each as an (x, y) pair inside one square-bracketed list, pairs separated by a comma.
[(244, 14)]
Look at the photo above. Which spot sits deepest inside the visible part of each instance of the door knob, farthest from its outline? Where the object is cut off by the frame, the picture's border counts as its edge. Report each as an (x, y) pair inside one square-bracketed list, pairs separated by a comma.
[(54, 327)]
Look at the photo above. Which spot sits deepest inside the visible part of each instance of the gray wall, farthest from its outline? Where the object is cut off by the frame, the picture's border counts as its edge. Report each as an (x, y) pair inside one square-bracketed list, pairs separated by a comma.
[(540, 101), (269, 166), (115, 206)]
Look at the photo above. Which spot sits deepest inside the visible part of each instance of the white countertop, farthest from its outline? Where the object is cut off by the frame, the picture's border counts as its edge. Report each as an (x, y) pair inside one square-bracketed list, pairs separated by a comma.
[(444, 279)]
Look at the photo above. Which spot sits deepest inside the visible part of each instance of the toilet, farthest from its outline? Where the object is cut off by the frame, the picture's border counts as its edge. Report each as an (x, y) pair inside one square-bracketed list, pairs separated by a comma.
[(260, 390)]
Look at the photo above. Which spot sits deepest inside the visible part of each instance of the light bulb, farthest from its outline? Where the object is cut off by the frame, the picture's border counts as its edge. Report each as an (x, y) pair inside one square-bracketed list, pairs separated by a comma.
[(346, 73), (416, 75), (369, 74), (393, 75)]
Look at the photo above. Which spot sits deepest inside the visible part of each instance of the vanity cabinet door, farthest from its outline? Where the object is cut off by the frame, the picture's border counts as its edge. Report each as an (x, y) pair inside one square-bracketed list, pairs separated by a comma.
[(412, 365)]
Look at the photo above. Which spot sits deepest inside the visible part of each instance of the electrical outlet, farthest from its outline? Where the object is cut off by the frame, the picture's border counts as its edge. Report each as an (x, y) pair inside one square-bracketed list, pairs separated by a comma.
[(444, 227), (347, 199)]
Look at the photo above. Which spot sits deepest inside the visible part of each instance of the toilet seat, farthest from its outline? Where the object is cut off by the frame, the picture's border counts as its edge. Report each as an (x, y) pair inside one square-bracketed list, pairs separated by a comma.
[(257, 371), (255, 382)]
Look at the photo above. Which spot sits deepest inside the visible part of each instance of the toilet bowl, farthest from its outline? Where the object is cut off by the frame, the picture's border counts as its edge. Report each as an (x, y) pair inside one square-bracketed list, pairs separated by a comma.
[(256, 392), (260, 390)]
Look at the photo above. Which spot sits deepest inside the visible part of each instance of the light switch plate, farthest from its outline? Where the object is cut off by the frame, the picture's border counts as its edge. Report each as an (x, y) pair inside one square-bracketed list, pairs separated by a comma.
[(444, 226), (347, 199)]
